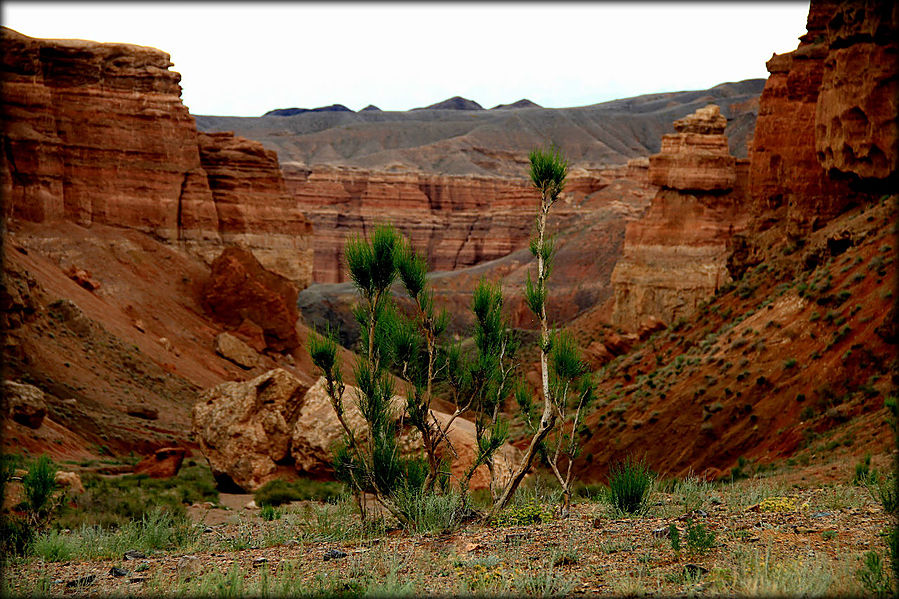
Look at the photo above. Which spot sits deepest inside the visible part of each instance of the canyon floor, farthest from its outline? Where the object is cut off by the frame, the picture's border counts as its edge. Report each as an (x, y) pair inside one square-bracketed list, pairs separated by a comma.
[(787, 531)]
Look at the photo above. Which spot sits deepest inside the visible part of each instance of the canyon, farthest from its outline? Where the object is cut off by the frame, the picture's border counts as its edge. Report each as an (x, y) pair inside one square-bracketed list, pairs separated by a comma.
[(693, 266)]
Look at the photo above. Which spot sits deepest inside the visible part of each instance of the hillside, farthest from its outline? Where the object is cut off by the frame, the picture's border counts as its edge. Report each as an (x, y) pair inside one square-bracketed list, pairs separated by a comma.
[(490, 142)]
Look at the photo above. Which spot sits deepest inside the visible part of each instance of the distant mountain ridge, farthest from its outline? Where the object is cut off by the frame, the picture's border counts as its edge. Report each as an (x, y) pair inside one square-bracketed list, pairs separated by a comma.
[(443, 140)]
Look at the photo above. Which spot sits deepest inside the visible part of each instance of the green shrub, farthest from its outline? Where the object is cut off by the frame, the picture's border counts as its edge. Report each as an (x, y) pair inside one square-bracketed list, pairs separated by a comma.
[(278, 492), (525, 514), (863, 473), (114, 502), (39, 484), (629, 486), (674, 537), (269, 512), (432, 512), (874, 577), (699, 539)]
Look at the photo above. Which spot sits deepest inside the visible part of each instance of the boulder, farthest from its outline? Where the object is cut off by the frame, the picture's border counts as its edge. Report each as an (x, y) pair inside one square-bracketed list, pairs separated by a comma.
[(83, 278), (649, 326), (25, 403), (239, 288), (69, 482), (317, 430), (231, 348), (244, 428), (164, 463)]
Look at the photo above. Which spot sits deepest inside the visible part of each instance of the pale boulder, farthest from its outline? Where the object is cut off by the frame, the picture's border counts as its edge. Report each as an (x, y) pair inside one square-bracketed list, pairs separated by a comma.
[(244, 428)]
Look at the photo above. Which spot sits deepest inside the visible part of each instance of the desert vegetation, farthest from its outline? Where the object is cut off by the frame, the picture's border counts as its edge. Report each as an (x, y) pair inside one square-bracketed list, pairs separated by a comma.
[(639, 534)]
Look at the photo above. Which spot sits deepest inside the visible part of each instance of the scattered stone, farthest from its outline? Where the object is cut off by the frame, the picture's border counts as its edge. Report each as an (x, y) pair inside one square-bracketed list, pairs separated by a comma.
[(137, 579), (82, 277), (333, 554), (292, 543), (134, 554), (515, 538), (661, 532), (597, 522), (251, 505), (207, 530), (144, 412), (166, 344), (821, 514), (25, 403), (694, 570), (231, 348), (117, 572), (140, 326), (165, 463), (82, 581), (70, 480), (259, 561), (187, 565)]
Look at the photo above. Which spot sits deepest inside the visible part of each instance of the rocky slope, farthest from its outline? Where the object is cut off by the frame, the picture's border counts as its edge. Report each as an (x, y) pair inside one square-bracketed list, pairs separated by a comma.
[(490, 142), (97, 134), (798, 354)]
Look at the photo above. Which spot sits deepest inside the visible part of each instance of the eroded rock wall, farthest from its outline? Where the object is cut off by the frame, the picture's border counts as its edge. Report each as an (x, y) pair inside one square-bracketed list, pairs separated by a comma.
[(675, 256), (253, 207), (827, 126), (456, 221), (97, 134)]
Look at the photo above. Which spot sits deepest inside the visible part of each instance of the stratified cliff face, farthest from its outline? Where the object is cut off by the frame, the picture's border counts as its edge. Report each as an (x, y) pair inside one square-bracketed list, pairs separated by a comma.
[(456, 221), (97, 134), (253, 207), (856, 125), (827, 118), (675, 256)]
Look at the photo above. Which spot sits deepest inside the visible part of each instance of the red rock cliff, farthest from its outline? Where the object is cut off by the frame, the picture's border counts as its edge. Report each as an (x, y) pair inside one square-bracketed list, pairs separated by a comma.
[(457, 221), (827, 126), (675, 255), (97, 133), (253, 207)]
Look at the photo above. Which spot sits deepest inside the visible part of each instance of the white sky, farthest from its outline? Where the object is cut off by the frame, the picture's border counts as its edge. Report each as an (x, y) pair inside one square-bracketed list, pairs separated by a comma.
[(242, 59)]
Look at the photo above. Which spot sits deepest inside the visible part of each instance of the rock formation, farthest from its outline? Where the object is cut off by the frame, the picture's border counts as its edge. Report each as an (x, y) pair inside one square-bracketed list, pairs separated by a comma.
[(24, 403), (164, 463), (253, 207), (244, 428), (457, 221), (856, 124), (239, 289), (97, 134), (695, 158), (247, 429), (317, 430), (826, 136), (675, 256)]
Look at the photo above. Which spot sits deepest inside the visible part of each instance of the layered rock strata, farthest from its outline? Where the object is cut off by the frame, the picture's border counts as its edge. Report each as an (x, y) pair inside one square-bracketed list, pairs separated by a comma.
[(97, 134), (675, 256), (253, 207), (456, 221)]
